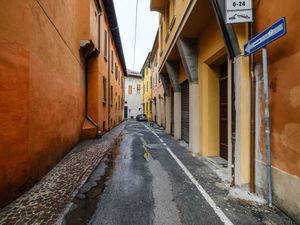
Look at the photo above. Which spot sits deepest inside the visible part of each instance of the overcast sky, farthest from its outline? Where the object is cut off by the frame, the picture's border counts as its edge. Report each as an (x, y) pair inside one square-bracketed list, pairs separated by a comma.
[(146, 30)]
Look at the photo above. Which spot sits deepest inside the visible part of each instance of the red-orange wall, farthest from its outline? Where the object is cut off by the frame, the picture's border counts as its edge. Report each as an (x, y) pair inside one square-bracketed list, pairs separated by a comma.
[(42, 86), (284, 82), (41, 90)]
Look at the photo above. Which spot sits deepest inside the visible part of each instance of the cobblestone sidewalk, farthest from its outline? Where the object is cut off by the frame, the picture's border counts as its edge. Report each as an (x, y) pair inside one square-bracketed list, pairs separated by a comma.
[(48, 199)]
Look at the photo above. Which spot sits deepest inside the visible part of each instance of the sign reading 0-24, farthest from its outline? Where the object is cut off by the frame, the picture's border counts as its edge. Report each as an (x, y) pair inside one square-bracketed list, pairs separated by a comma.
[(239, 11)]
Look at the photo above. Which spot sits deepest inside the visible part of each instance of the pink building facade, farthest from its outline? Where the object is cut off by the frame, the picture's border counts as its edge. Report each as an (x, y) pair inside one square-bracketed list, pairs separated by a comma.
[(158, 94)]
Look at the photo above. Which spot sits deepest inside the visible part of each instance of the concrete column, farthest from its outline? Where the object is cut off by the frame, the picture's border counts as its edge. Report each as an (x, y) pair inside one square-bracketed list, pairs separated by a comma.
[(194, 118), (188, 51), (242, 105), (177, 115), (158, 110), (168, 114), (167, 102)]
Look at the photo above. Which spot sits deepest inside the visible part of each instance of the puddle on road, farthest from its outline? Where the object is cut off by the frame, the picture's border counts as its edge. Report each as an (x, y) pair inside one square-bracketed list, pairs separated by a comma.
[(85, 202)]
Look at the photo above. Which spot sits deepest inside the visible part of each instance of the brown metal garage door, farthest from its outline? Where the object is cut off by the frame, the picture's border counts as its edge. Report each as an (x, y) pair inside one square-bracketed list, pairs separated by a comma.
[(185, 111), (172, 112), (223, 112)]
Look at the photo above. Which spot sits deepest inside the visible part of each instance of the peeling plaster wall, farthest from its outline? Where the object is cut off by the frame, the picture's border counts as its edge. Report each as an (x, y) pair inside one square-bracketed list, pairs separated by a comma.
[(284, 89)]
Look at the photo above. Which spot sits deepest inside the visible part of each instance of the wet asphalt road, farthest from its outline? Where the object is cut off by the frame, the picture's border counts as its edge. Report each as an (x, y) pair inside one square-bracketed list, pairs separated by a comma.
[(141, 190), (134, 188)]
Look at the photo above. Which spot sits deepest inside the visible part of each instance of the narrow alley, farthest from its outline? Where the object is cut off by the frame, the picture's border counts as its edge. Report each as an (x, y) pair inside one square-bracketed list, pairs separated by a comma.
[(149, 112), (152, 179)]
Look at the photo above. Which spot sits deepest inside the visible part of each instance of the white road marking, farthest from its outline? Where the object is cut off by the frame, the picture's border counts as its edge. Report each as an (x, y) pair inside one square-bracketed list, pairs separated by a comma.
[(161, 140), (206, 196)]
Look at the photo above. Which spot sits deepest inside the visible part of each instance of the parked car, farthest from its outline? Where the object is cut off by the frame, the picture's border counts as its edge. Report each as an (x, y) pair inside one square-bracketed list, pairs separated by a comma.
[(141, 117)]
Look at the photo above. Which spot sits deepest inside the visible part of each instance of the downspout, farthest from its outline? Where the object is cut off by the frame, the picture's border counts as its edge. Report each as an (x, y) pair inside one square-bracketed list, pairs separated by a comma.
[(252, 115), (108, 74)]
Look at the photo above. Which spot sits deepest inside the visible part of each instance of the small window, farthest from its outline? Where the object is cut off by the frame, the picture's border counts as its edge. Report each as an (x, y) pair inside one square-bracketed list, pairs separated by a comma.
[(104, 89), (116, 71), (105, 45), (138, 89), (130, 90), (111, 95), (112, 61)]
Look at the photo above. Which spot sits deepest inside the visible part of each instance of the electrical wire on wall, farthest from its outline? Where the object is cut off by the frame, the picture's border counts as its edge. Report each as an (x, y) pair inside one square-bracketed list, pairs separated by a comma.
[(135, 32)]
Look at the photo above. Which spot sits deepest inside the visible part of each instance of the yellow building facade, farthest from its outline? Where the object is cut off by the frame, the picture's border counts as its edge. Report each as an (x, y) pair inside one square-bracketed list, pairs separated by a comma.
[(147, 88), (197, 70), (211, 92)]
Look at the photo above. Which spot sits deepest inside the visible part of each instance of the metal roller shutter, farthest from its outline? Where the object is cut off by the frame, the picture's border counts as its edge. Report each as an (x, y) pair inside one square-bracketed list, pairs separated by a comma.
[(172, 112), (185, 111)]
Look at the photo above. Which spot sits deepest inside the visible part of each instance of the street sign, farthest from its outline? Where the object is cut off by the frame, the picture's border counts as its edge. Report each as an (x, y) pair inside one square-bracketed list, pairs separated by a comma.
[(272, 33), (238, 5), (238, 11), (244, 16)]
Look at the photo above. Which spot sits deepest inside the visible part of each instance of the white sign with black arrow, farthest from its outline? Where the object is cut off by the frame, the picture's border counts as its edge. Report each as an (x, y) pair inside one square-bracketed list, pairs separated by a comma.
[(238, 11)]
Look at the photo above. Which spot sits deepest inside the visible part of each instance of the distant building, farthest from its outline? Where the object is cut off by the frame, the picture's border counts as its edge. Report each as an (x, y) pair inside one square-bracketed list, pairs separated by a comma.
[(214, 98), (147, 88), (133, 93), (158, 93)]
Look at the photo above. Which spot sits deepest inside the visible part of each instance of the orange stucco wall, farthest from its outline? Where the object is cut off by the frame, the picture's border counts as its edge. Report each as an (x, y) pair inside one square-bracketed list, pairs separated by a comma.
[(41, 90), (284, 83), (98, 69), (42, 86)]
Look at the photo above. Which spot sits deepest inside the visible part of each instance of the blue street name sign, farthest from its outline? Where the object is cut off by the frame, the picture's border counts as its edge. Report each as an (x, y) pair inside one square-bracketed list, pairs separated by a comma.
[(272, 33)]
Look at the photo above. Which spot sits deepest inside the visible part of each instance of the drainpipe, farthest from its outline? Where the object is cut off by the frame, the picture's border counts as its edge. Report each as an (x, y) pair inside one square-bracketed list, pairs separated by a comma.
[(252, 115), (108, 83)]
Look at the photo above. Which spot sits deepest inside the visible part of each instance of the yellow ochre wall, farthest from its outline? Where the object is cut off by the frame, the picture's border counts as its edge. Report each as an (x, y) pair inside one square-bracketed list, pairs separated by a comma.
[(147, 94), (166, 38), (211, 48), (182, 74), (211, 51)]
